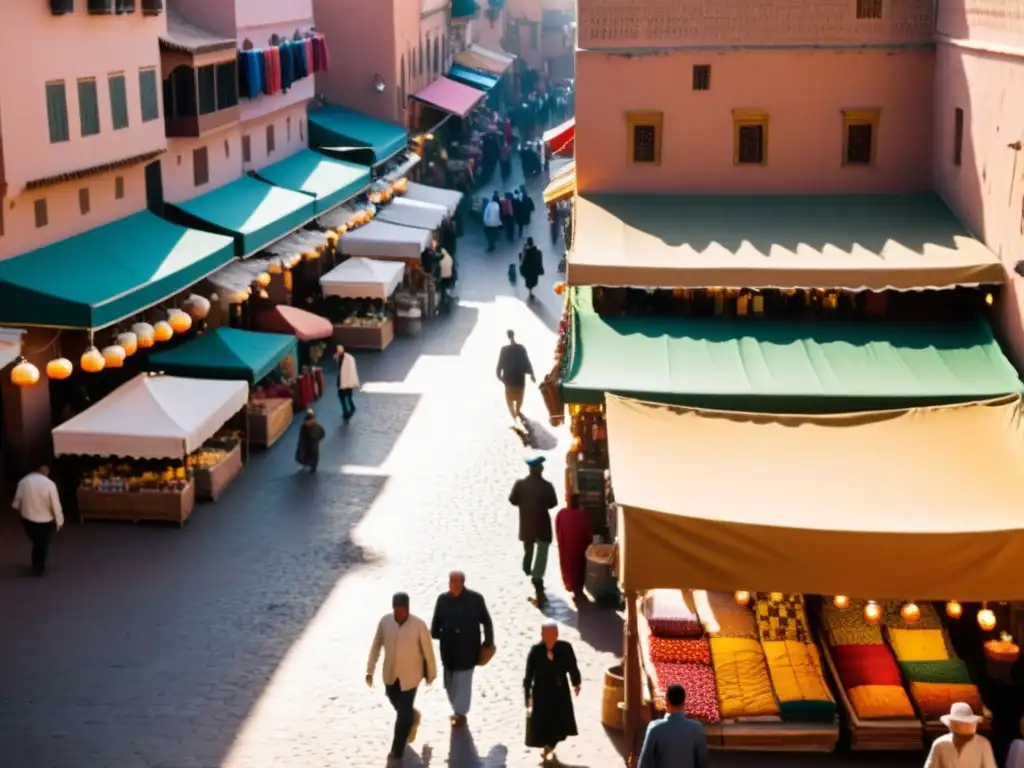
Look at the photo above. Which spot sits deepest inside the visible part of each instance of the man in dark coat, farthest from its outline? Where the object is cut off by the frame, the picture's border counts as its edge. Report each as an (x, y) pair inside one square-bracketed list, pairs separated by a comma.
[(535, 498), (531, 266), (310, 434), (513, 368), (458, 617)]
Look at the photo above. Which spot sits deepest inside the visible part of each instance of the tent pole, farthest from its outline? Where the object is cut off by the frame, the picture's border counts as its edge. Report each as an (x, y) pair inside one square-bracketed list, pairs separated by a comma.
[(631, 671)]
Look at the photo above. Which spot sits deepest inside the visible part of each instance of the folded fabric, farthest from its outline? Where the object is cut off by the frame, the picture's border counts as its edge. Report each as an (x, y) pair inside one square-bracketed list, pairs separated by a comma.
[(741, 674), (952, 671), (846, 626), (795, 671), (865, 665), (721, 616), (918, 644), (880, 702), (781, 619), (929, 617), (678, 650), (934, 699), (669, 614), (699, 682), (866, 635)]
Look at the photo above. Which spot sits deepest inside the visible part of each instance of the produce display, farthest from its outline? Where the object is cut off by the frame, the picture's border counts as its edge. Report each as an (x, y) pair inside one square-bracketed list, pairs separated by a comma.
[(281, 390), (126, 478), (212, 453), (364, 321)]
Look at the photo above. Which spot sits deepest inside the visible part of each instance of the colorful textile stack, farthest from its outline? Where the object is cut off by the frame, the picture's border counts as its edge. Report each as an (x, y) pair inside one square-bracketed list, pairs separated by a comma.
[(741, 673), (866, 668), (266, 71), (679, 653), (926, 658), (794, 664)]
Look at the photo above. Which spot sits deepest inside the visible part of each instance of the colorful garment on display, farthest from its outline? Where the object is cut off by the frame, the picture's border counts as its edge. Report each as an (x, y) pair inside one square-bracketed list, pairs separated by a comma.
[(934, 700), (670, 615), (250, 73), (859, 665), (880, 702), (798, 682), (678, 650), (951, 671), (919, 644), (699, 682), (741, 676), (781, 617), (266, 71), (720, 615)]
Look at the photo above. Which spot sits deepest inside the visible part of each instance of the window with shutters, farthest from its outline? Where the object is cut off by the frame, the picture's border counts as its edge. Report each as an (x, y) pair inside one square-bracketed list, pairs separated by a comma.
[(644, 137), (148, 95), (42, 217), (83, 200), (869, 9), (860, 136), (227, 85), (88, 106), (118, 100), (958, 136), (749, 137), (270, 139), (200, 166), (180, 93), (246, 150), (437, 56), (420, 55), (119, 188), (57, 111), (702, 77), (206, 79)]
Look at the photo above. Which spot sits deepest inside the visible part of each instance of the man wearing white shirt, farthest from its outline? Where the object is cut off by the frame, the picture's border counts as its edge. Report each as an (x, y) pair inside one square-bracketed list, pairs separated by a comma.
[(962, 747), (38, 502), (492, 221)]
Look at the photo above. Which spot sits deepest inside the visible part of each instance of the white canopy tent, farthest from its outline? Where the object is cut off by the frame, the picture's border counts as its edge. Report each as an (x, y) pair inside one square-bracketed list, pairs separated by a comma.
[(360, 278), (152, 417), (449, 198), (413, 213), (382, 240)]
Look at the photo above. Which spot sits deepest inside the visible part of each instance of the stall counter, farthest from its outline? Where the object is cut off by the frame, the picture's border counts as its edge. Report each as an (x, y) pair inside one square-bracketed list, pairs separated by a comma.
[(269, 419), (378, 336), (162, 505)]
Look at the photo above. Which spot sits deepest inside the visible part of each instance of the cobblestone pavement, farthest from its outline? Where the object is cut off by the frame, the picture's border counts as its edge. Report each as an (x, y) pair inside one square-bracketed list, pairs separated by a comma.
[(241, 640)]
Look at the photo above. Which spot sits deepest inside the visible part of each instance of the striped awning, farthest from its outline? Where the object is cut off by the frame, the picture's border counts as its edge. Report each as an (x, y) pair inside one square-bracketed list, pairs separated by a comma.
[(562, 184)]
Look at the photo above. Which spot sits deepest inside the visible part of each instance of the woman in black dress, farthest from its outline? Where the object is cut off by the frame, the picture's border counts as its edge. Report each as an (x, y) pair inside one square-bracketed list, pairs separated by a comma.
[(550, 718)]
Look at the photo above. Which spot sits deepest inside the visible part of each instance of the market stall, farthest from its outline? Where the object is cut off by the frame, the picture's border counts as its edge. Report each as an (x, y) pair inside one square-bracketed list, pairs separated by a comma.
[(449, 198), (413, 213), (359, 292), (304, 326), (381, 240), (266, 360), (159, 433), (895, 485)]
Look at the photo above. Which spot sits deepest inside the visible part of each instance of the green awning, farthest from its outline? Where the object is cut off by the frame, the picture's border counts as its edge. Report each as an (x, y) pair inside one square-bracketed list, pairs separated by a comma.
[(485, 81), (335, 127), (785, 367), (101, 276), (227, 353), (253, 212), (330, 182)]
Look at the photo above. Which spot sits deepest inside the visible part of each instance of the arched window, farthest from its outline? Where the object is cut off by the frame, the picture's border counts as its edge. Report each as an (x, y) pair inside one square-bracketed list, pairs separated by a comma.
[(437, 56)]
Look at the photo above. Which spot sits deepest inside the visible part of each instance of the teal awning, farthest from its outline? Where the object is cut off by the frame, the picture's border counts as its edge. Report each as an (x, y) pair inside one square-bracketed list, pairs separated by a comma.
[(99, 277), (770, 366), (333, 127), (330, 182), (464, 8), (482, 80), (253, 212), (227, 353)]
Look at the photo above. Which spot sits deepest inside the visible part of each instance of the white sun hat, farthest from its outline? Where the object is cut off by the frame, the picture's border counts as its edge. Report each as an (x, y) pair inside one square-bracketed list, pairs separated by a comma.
[(960, 712)]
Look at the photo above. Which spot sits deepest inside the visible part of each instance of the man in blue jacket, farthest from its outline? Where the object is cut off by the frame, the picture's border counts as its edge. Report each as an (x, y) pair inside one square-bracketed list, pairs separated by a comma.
[(675, 741)]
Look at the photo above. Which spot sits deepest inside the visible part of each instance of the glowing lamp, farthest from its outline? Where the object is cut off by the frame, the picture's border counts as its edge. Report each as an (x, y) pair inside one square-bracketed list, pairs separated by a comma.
[(92, 361), (129, 342), (989, 299), (179, 321), (842, 602), (288, 281), (24, 374), (741, 597), (59, 369), (162, 331), (198, 307), (986, 619), (144, 333), (273, 269), (113, 356), (576, 445), (954, 610), (263, 279), (872, 612), (910, 612), (559, 288)]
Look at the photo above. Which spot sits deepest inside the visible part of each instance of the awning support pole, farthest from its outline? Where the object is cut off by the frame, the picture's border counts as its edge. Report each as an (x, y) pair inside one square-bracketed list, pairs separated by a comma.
[(631, 672)]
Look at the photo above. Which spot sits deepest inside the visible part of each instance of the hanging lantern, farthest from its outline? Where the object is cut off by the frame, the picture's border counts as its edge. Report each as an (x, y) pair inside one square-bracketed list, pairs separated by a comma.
[(741, 597), (129, 342), (24, 374), (559, 288), (241, 297), (144, 333), (954, 610), (872, 612), (332, 237), (113, 356), (198, 307), (576, 446), (986, 619), (92, 361), (179, 321), (59, 369), (262, 279), (162, 331), (989, 299), (842, 602), (288, 282), (910, 613), (274, 269)]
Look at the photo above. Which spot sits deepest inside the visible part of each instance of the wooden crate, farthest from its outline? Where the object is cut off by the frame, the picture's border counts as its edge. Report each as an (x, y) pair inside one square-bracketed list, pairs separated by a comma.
[(134, 506), (266, 427), (210, 481)]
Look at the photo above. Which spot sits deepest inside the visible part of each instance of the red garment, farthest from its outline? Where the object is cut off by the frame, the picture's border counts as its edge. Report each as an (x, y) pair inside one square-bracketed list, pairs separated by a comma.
[(325, 57), (310, 69), (574, 535), (508, 130)]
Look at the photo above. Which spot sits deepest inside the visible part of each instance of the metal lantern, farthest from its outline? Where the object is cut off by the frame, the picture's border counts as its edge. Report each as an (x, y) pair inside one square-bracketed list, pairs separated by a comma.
[(129, 342), (24, 374), (162, 331), (954, 610), (179, 321), (92, 361), (113, 356), (274, 269), (742, 597), (145, 334), (986, 619), (198, 307), (842, 602), (910, 613), (263, 279), (872, 612), (59, 369)]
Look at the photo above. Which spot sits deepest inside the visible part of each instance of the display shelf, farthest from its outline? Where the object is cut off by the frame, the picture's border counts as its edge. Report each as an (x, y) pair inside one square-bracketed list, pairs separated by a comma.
[(135, 506)]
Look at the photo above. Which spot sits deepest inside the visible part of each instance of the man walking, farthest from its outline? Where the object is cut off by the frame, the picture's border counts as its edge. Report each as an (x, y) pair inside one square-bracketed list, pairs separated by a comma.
[(492, 221), (675, 741), (458, 617), (535, 497), (408, 657), (37, 500), (513, 368)]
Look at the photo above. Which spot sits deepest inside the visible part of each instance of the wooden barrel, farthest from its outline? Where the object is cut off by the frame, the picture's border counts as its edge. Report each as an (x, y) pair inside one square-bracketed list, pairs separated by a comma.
[(613, 698)]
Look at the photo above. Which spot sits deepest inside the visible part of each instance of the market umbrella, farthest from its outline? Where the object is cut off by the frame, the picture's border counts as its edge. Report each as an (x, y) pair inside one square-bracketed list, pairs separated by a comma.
[(305, 326)]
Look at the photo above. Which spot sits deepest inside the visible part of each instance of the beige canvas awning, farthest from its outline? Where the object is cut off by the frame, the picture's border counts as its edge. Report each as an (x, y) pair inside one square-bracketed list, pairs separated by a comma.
[(915, 504), (852, 242), (484, 60)]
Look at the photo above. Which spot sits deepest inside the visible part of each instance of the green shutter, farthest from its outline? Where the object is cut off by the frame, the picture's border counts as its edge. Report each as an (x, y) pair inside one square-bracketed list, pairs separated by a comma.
[(57, 112), (148, 95), (118, 102), (88, 107)]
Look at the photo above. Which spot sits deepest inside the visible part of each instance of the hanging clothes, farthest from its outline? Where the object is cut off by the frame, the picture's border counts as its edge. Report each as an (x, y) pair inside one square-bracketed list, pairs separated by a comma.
[(268, 75), (251, 73), (301, 65), (320, 43), (310, 64), (243, 74), (273, 56), (287, 65)]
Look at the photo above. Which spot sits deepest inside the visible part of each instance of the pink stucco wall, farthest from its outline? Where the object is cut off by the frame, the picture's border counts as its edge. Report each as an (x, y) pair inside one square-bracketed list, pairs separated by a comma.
[(980, 69), (803, 91), (489, 32)]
